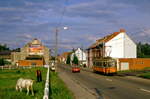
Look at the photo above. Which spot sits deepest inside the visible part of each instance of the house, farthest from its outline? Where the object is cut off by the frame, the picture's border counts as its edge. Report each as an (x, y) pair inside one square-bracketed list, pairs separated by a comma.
[(115, 45), (33, 53), (5, 55), (63, 57), (81, 55)]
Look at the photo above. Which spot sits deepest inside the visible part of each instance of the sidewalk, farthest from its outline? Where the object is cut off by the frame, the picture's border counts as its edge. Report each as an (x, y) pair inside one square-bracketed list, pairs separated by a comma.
[(78, 90)]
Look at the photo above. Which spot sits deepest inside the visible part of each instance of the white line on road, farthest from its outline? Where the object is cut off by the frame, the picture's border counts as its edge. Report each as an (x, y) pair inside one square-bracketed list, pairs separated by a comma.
[(108, 79), (144, 90)]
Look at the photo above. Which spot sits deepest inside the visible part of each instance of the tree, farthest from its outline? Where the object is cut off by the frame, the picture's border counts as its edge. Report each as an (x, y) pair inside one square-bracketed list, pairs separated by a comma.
[(4, 47), (75, 60), (16, 50), (2, 62), (68, 59), (143, 50)]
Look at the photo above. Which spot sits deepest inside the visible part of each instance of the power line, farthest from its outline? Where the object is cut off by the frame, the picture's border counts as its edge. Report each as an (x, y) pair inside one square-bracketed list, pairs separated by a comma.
[(63, 14)]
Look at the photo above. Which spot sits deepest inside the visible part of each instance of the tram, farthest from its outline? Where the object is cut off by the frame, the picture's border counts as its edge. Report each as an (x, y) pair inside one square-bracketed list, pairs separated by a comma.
[(106, 66)]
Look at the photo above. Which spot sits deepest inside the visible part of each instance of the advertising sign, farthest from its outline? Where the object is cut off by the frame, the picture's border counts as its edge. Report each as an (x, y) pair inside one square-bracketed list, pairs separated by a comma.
[(36, 50)]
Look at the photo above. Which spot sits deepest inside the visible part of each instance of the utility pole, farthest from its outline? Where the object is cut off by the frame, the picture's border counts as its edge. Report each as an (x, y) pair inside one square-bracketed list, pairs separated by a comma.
[(56, 47), (82, 53)]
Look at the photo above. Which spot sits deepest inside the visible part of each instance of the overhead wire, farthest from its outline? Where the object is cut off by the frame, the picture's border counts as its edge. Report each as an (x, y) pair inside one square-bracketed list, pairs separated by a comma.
[(63, 14)]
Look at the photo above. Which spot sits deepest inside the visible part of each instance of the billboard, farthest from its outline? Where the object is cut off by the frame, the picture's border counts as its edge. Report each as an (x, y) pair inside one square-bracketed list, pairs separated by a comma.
[(36, 50)]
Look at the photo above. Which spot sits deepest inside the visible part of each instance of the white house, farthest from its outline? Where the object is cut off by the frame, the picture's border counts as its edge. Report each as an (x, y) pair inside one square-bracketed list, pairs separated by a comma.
[(120, 46), (115, 45), (81, 55)]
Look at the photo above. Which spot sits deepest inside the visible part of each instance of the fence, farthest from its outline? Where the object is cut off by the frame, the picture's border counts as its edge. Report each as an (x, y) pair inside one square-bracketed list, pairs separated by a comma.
[(15, 67), (46, 89), (7, 67)]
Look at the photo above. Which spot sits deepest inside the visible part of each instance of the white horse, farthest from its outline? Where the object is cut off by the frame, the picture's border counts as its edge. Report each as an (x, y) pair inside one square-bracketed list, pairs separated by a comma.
[(25, 83)]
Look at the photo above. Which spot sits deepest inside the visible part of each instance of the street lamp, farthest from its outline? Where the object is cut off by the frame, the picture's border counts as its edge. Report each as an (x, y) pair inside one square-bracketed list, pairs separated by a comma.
[(56, 43)]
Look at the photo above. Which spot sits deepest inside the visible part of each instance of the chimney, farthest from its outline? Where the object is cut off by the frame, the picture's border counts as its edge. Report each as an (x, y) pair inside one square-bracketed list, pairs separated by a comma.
[(122, 30)]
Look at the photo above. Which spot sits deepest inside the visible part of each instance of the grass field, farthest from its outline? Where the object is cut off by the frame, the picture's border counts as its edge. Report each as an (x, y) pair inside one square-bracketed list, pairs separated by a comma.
[(8, 79)]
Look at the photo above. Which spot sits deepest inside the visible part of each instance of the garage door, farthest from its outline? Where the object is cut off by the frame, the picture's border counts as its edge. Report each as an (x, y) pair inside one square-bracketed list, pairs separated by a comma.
[(124, 66)]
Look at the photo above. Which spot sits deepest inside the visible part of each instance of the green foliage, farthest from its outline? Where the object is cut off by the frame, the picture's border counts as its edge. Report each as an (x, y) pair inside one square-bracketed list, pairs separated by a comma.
[(75, 60), (4, 48), (145, 75), (2, 62), (68, 59), (143, 50)]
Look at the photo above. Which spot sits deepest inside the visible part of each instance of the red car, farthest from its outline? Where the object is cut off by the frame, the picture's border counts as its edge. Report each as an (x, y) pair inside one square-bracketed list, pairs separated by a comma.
[(75, 69)]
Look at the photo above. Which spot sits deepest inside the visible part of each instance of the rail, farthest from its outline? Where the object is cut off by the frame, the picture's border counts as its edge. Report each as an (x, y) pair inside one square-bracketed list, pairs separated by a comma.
[(46, 89)]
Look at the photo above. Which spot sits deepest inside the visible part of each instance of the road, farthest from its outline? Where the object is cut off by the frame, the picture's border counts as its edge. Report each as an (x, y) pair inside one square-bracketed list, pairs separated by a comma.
[(110, 87)]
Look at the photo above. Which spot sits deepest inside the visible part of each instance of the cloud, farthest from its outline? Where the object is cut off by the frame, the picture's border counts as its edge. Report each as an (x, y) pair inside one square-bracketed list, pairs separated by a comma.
[(22, 20), (145, 33)]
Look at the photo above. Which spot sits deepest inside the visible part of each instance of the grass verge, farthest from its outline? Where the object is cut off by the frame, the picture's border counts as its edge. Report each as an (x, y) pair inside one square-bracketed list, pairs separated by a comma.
[(58, 88), (145, 73)]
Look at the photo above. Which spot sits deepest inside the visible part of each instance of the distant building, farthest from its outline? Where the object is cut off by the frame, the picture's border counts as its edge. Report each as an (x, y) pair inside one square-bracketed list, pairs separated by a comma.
[(63, 57), (33, 53), (81, 55), (5, 55), (115, 45)]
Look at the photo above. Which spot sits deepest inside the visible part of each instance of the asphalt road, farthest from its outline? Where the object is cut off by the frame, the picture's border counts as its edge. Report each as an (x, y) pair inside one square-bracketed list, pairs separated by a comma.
[(110, 87)]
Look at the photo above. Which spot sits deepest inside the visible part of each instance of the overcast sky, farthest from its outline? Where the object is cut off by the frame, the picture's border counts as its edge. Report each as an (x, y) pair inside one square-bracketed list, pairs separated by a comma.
[(88, 20)]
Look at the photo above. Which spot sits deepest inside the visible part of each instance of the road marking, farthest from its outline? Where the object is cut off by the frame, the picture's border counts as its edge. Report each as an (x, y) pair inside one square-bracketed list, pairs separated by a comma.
[(108, 79), (144, 90)]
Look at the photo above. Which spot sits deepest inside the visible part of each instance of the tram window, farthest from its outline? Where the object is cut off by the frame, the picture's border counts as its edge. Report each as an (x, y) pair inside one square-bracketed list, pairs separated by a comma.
[(104, 64), (97, 63), (112, 64), (93, 63), (100, 63)]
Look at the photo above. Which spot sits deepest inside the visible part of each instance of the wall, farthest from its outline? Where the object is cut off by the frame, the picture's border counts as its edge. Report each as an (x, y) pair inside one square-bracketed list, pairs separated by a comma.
[(30, 62), (121, 46), (135, 63), (115, 48), (15, 56), (129, 48)]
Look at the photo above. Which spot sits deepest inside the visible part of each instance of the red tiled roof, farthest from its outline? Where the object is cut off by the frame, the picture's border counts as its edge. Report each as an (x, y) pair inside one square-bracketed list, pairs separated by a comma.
[(65, 54), (106, 38)]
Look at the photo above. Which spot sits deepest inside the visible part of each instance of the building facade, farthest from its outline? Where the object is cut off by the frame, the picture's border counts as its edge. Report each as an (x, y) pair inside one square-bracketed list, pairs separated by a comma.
[(81, 55), (33, 53), (115, 45), (63, 57)]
